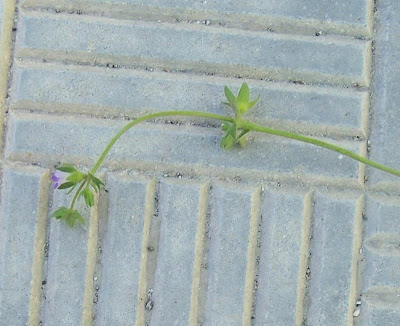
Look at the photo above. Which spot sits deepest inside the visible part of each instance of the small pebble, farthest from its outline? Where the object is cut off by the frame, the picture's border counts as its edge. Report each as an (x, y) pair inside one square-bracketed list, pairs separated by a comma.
[(356, 313), (340, 157), (95, 278), (358, 303), (149, 305), (207, 22)]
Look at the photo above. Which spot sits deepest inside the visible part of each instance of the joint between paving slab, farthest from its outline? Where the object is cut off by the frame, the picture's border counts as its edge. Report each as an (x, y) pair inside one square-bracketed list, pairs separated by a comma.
[(362, 168), (5, 58), (39, 250), (92, 250), (304, 258), (355, 280), (251, 271), (149, 240), (204, 200)]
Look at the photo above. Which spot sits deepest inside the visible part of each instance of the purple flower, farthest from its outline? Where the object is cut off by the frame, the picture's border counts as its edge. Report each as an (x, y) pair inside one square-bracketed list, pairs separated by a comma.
[(58, 178)]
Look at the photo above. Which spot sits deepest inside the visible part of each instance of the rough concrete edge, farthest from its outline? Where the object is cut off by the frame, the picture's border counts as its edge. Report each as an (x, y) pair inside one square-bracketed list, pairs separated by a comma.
[(354, 290), (39, 250), (251, 271), (150, 210), (203, 204), (92, 250), (301, 300), (5, 57)]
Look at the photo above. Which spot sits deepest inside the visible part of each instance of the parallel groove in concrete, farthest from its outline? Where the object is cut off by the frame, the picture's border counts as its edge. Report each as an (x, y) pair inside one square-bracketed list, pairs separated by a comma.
[(39, 246), (254, 15), (198, 265), (201, 49), (143, 144), (59, 88), (305, 255), (252, 258), (92, 249)]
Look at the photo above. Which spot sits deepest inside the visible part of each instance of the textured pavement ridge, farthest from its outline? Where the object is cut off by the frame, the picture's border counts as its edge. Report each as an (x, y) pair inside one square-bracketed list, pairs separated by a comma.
[(279, 233)]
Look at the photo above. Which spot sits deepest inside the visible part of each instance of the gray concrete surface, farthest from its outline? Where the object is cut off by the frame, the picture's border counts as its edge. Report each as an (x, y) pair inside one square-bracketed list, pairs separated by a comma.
[(279, 233)]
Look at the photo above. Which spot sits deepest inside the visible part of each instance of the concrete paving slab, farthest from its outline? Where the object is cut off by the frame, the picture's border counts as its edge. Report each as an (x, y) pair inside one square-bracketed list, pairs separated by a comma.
[(278, 233)]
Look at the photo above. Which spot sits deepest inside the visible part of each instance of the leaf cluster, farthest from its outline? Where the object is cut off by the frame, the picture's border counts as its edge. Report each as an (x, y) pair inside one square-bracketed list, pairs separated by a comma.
[(87, 184), (70, 216), (240, 104)]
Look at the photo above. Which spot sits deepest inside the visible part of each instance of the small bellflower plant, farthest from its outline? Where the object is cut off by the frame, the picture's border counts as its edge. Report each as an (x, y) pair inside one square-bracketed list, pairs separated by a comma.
[(68, 177)]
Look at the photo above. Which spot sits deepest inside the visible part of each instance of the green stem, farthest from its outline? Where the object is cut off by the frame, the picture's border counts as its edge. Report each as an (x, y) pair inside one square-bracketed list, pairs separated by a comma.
[(71, 207), (152, 116), (244, 125), (305, 139)]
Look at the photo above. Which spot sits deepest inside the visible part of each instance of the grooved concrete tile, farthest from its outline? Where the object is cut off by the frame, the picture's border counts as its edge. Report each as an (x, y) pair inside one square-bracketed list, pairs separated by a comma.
[(65, 268), (186, 47), (223, 253), (279, 272), (227, 255), (49, 87), (385, 131), (341, 11), (382, 244), (21, 210), (179, 208), (121, 247), (335, 224), (188, 146)]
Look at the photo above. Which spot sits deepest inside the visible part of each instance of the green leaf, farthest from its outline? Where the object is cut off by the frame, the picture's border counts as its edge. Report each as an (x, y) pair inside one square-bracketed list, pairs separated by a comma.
[(88, 196), (227, 142), (241, 139), (60, 213), (70, 216), (76, 217), (95, 182), (230, 137), (66, 185), (252, 103), (68, 168), (231, 98), (76, 177), (244, 94)]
